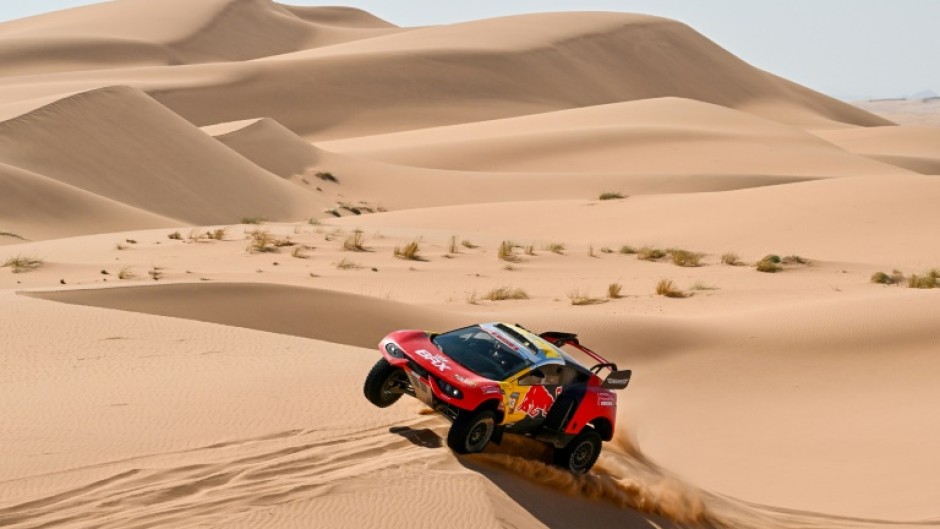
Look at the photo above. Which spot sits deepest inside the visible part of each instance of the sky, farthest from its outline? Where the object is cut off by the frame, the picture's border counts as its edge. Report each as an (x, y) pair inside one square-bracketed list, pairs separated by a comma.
[(851, 49)]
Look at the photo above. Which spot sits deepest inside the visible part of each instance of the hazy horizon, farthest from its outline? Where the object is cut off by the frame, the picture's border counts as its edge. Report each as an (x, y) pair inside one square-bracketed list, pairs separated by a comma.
[(851, 49)]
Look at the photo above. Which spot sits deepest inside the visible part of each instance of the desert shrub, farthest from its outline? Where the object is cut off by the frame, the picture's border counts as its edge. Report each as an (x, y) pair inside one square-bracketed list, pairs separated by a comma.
[(126, 273), (261, 241), (731, 259), (254, 220), (506, 293), (582, 297), (176, 236), (217, 234), (685, 258), (626, 249), (409, 252), (648, 253), (614, 291), (156, 273), (327, 176), (922, 281), (555, 247), (346, 264), (611, 195), (355, 242), (606, 250), (506, 252), (22, 264), (300, 252), (882, 278), (770, 264), (667, 288)]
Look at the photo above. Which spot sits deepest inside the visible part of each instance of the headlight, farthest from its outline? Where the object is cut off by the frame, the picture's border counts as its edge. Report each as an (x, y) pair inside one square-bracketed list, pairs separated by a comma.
[(394, 350), (449, 390)]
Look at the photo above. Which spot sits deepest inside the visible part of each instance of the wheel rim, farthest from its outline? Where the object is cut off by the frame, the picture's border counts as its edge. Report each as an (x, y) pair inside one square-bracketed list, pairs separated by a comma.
[(479, 435), (582, 456)]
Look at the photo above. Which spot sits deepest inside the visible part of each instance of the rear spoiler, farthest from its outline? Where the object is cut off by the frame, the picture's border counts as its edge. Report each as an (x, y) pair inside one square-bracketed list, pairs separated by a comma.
[(615, 380)]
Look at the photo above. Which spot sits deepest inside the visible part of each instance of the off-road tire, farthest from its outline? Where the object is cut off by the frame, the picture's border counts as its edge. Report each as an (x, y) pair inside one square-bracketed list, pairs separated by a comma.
[(471, 431), (581, 453), (376, 388)]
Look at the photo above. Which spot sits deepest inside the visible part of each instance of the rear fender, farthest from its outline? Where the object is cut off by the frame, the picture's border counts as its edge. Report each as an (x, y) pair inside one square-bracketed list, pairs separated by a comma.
[(598, 407)]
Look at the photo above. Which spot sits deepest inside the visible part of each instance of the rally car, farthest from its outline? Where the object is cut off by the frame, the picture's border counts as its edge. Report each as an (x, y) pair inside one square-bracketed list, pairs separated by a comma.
[(493, 378)]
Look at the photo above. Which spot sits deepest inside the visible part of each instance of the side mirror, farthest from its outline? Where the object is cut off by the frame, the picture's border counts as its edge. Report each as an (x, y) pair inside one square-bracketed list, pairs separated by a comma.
[(536, 376)]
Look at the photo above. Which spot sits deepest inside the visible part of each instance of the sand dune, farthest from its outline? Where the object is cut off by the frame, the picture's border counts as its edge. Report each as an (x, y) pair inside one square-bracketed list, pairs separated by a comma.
[(529, 64), (37, 207), (913, 148), (120, 144), (269, 145), (153, 380), (666, 136), (836, 219), (142, 33)]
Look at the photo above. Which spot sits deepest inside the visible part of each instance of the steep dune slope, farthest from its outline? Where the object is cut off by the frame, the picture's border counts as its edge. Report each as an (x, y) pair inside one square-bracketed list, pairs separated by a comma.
[(37, 207), (120, 144), (665, 135), (269, 145), (171, 32)]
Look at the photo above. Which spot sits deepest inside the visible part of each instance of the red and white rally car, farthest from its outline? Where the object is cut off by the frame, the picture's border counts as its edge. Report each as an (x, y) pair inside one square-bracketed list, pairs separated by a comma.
[(496, 377)]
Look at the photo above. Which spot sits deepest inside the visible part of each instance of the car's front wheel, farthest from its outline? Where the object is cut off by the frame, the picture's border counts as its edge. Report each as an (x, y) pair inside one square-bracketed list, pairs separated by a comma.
[(471, 431), (384, 384), (581, 453)]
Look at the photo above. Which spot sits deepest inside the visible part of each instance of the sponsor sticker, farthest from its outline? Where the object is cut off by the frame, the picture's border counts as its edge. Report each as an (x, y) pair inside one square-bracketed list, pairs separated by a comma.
[(490, 390), (604, 399), (437, 361), (466, 381)]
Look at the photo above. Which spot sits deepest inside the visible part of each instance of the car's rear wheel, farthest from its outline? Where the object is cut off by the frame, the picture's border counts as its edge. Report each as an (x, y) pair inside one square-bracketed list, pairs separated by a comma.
[(471, 431), (384, 384), (581, 453)]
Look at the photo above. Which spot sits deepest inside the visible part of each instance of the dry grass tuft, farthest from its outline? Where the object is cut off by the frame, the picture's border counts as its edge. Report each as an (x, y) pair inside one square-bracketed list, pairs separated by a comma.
[(300, 252), (731, 259), (590, 251), (176, 236), (217, 234), (626, 249), (555, 247), (126, 273), (261, 241), (355, 242), (156, 273), (884, 279), (467, 244), (701, 285), (22, 264), (770, 264), (685, 258), (506, 252), (614, 291), (667, 288), (453, 247), (254, 220), (506, 293), (580, 298), (530, 249), (327, 176), (409, 252), (346, 264), (928, 280), (648, 253), (611, 195)]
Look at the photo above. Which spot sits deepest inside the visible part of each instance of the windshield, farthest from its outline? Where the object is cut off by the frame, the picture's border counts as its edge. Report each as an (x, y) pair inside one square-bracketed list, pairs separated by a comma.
[(481, 353)]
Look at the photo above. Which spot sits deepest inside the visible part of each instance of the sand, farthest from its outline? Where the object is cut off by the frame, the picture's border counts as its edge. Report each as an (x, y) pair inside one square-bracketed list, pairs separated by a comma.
[(154, 376)]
